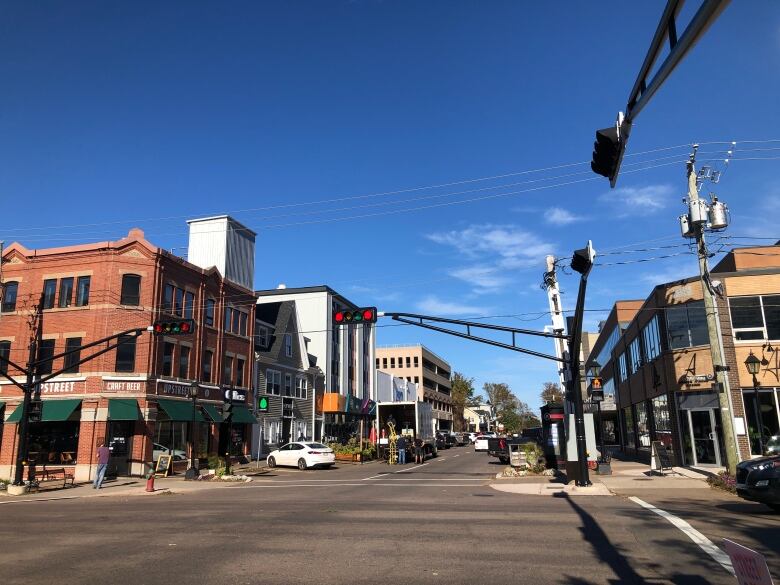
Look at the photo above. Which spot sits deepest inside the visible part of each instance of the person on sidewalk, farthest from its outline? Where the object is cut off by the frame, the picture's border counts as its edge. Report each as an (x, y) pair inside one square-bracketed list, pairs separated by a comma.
[(103, 455), (401, 446)]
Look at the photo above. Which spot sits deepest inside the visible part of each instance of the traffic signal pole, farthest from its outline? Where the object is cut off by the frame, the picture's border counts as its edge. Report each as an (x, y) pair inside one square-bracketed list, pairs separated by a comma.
[(582, 263)]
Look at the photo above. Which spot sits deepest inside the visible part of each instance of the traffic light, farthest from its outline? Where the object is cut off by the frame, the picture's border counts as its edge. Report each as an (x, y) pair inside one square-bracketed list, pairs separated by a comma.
[(35, 411), (582, 259), (262, 404), (365, 315), (174, 327), (607, 153), (597, 389)]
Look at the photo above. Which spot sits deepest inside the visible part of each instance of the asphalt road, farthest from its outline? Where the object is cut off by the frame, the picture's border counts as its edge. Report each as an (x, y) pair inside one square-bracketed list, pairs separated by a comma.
[(436, 523)]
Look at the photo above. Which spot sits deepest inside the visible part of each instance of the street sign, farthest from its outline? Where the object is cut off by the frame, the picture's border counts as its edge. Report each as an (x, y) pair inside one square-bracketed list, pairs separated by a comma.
[(749, 566)]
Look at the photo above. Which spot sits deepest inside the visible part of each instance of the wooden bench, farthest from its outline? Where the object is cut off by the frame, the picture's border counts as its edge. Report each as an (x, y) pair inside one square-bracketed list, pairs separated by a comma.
[(57, 474)]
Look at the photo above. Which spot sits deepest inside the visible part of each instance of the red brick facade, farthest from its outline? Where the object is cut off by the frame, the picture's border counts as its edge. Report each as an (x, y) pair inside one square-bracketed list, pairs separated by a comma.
[(107, 313)]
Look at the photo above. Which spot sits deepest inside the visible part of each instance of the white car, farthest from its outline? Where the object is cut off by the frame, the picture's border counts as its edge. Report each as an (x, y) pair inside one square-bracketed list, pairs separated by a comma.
[(302, 455), (481, 443), (176, 454)]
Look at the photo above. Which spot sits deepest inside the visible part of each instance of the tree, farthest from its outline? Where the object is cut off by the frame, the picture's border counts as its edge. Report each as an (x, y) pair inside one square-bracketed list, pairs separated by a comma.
[(512, 412), (462, 396), (551, 392)]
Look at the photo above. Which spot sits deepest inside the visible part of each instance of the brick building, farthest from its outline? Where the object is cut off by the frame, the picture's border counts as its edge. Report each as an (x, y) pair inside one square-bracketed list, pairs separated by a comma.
[(135, 397), (655, 357)]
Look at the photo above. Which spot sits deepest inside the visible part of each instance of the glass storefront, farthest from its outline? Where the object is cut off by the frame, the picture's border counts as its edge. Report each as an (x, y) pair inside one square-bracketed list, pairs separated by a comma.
[(170, 438), (662, 421), (642, 426), (54, 442), (762, 417)]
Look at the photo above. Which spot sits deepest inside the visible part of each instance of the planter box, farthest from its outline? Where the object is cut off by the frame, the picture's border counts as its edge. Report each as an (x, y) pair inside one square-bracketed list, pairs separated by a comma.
[(351, 457)]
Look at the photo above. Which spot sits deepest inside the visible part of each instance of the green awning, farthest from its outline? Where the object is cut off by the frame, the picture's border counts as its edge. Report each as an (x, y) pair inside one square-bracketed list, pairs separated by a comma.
[(180, 410), (123, 409), (213, 412), (53, 410), (16, 415), (241, 415)]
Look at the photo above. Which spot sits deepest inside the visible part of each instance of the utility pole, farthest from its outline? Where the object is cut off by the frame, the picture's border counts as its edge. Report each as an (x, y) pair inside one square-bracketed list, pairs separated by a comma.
[(699, 216)]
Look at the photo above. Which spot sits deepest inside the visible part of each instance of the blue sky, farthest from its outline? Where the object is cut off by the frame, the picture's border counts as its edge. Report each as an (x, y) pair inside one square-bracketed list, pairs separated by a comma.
[(144, 114)]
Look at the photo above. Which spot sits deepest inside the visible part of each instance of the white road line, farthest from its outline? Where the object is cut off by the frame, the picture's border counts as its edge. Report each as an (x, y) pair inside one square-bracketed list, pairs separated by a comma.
[(455, 456), (436, 479), (704, 543), (412, 468), (373, 476)]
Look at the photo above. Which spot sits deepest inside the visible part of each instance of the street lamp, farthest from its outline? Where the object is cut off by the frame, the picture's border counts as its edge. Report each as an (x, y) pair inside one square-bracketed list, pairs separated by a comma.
[(753, 365), (192, 472)]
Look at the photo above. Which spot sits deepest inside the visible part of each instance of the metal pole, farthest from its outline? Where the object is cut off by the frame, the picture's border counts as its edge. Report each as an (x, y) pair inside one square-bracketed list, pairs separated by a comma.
[(575, 392), (601, 430), (192, 431), (31, 368), (726, 418)]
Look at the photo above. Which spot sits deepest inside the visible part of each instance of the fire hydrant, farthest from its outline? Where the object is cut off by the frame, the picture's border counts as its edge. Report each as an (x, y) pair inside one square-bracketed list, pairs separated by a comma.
[(150, 481)]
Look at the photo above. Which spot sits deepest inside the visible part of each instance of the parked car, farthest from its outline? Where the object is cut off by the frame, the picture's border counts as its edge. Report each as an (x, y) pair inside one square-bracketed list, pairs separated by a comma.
[(462, 439), (481, 443), (472, 437), (176, 454), (758, 480), (302, 455), (442, 440), (499, 446), (451, 438)]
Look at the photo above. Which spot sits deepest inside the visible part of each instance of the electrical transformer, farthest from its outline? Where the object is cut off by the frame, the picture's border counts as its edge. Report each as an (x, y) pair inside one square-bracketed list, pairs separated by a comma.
[(718, 215), (685, 227)]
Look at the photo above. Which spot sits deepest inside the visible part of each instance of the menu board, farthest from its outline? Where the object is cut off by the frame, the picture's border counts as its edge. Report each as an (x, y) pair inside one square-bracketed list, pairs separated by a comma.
[(163, 466), (663, 461)]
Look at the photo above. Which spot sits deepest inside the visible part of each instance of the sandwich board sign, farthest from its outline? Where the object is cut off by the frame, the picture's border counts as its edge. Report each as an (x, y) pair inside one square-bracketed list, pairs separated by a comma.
[(750, 566)]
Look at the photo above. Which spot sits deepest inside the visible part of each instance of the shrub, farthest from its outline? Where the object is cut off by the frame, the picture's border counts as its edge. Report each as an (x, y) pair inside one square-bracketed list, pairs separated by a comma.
[(724, 481)]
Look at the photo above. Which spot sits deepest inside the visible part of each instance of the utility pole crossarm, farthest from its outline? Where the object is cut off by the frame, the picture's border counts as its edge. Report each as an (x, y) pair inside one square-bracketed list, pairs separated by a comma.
[(419, 321)]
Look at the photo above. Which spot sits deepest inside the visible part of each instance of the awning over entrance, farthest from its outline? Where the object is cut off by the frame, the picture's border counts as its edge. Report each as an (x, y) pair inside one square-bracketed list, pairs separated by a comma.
[(241, 415), (213, 412), (53, 410), (123, 409), (180, 410)]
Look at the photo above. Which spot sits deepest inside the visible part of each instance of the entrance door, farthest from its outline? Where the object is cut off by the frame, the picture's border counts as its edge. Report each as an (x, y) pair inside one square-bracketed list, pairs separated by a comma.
[(120, 442), (706, 447)]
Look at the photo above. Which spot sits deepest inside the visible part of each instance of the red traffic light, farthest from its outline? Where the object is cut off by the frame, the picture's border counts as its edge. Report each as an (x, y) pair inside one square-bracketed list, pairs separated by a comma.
[(364, 315), (178, 327)]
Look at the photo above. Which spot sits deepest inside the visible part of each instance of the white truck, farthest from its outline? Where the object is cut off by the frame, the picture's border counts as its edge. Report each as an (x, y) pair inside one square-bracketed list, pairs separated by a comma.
[(412, 419)]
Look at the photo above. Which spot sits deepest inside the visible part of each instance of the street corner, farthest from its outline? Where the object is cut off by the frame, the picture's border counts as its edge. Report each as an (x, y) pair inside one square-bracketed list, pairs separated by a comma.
[(556, 489)]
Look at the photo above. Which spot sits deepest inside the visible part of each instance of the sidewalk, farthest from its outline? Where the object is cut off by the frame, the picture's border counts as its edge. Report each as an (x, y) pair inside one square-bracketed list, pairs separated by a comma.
[(627, 477), (132, 486)]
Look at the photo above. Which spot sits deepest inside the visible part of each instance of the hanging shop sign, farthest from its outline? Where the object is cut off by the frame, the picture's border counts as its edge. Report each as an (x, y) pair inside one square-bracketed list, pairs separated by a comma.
[(288, 409), (234, 396)]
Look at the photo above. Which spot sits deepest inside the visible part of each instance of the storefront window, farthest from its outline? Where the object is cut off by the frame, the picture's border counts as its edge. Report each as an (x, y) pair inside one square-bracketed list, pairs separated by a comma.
[(762, 419), (687, 325), (662, 422), (628, 425), (55, 442), (171, 439), (642, 427)]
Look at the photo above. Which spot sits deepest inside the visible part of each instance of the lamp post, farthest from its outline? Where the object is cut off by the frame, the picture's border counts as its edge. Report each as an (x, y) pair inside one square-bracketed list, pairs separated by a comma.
[(753, 365), (192, 472)]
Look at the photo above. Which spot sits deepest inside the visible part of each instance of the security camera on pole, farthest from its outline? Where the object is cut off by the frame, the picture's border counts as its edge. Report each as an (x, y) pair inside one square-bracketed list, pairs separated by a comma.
[(713, 216)]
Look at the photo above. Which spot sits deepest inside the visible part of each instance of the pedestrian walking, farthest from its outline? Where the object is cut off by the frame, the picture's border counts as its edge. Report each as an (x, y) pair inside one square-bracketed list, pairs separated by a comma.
[(401, 446), (418, 450), (103, 455)]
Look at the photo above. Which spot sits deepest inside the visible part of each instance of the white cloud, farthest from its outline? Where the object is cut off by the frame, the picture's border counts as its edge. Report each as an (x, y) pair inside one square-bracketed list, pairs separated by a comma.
[(501, 248), (559, 216), (435, 306), (638, 201)]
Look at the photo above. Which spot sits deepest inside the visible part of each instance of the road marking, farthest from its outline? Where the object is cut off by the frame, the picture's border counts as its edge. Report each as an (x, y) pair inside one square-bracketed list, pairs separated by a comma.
[(436, 479), (704, 543), (411, 468), (373, 476), (455, 456)]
